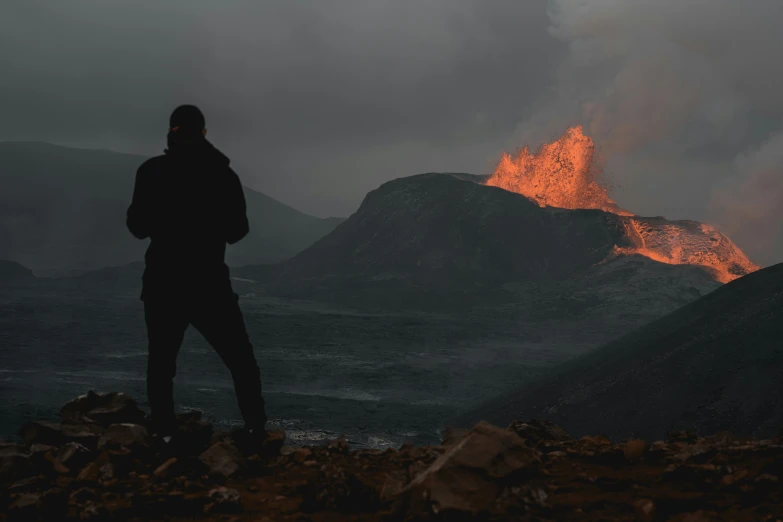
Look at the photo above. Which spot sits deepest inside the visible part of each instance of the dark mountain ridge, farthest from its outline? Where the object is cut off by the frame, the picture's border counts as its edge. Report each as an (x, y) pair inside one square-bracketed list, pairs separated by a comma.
[(62, 210)]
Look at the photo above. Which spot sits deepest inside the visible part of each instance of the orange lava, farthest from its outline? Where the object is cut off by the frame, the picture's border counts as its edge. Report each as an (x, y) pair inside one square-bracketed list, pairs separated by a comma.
[(566, 174), (561, 174)]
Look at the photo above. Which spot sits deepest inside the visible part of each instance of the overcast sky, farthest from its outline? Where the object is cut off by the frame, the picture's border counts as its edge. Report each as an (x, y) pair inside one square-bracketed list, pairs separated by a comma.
[(318, 102)]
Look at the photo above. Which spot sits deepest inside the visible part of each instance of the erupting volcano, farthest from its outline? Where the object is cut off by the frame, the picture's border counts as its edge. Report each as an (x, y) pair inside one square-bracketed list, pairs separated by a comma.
[(566, 174)]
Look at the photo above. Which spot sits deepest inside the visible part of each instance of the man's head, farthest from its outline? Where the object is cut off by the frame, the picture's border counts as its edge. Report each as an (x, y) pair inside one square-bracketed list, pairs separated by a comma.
[(187, 122)]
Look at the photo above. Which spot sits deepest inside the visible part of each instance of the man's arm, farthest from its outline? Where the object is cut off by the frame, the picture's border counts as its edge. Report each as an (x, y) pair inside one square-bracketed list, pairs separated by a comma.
[(139, 216), (236, 224)]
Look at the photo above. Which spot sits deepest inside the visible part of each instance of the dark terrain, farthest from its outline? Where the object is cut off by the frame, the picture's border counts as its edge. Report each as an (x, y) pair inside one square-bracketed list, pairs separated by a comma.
[(710, 366), (467, 290), (62, 211), (100, 463)]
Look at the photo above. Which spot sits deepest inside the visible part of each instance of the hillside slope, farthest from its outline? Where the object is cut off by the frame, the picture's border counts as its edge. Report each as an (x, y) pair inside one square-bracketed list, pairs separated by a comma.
[(443, 240), (62, 210), (713, 365)]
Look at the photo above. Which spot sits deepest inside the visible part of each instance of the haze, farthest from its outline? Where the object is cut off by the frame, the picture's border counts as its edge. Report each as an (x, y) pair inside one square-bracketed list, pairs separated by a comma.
[(319, 102)]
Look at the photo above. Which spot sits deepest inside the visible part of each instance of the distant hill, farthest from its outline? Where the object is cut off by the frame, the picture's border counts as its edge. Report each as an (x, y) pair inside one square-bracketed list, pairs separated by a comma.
[(14, 272), (62, 210), (445, 240), (713, 365)]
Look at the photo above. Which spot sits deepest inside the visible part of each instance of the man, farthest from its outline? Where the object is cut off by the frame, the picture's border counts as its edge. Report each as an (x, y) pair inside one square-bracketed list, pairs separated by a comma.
[(190, 203)]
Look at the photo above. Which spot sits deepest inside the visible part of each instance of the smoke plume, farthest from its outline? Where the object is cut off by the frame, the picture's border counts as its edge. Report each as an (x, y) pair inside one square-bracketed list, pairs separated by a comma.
[(684, 100)]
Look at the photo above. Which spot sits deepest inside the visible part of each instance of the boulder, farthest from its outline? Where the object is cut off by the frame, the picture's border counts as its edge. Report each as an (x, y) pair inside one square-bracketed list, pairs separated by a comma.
[(90, 473), (273, 443), (74, 455), (164, 469), (194, 435), (50, 505), (267, 447), (102, 408), (338, 445), (393, 485), (124, 435), (53, 434), (222, 459), (538, 431), (93, 511), (39, 449), (224, 500), (452, 435), (15, 463), (468, 478), (25, 507)]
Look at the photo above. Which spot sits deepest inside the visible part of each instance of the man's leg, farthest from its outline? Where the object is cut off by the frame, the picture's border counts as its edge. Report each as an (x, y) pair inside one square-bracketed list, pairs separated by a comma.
[(220, 321), (166, 325)]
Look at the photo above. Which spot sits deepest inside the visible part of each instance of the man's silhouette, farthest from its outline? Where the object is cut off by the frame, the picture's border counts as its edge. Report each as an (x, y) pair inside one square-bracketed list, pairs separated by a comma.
[(190, 203)]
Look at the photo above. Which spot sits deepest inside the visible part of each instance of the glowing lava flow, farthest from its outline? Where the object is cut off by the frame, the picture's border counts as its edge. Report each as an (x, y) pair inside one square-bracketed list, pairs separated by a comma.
[(565, 174), (561, 174)]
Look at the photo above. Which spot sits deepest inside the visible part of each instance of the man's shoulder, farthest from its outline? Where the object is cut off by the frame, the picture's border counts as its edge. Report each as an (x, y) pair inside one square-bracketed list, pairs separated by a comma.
[(152, 164)]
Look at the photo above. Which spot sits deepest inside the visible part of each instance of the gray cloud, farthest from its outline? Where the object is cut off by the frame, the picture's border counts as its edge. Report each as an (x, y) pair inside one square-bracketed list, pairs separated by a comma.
[(317, 102), (683, 100)]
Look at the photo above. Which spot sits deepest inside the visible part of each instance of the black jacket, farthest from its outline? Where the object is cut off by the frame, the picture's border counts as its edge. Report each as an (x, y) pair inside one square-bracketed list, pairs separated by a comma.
[(190, 203)]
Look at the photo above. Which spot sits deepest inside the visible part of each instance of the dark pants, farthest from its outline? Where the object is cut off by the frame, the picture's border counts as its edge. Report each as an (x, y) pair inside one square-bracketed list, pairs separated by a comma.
[(220, 321)]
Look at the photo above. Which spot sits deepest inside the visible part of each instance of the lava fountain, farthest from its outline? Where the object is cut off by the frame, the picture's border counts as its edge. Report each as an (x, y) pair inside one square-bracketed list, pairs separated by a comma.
[(567, 174)]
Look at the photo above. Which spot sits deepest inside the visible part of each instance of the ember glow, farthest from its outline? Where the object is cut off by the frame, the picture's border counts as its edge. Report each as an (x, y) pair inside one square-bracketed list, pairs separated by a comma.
[(566, 174)]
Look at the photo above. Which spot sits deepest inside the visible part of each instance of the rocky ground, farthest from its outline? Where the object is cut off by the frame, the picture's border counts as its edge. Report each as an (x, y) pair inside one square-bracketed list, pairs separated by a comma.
[(99, 463)]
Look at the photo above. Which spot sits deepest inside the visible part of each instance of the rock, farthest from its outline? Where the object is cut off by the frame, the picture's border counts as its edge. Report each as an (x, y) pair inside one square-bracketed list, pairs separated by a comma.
[(50, 505), (90, 473), (222, 459), (698, 516), (287, 451), (338, 445), (337, 489), (682, 436), (645, 510), (249, 444), (634, 449), (26, 485), (74, 455), (25, 507), (106, 471), (123, 435), (302, 454), (39, 432), (224, 500), (470, 475), (15, 463), (538, 431), (83, 495), (163, 470), (273, 443), (56, 465), (104, 409), (12, 450), (37, 448), (598, 441), (393, 485), (195, 435), (452, 435), (93, 511), (53, 434)]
